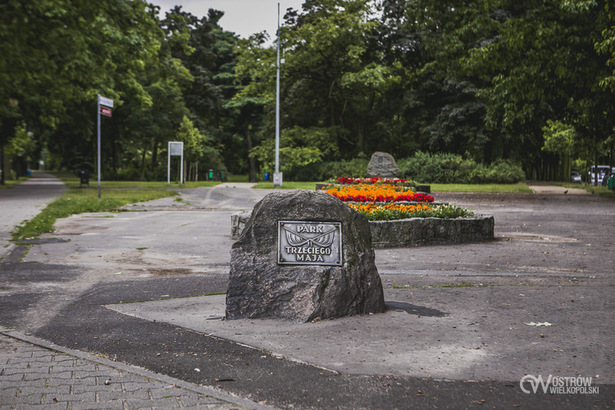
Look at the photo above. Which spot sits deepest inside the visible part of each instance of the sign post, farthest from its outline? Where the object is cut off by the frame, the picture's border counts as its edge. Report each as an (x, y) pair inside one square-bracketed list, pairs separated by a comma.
[(108, 103), (176, 148)]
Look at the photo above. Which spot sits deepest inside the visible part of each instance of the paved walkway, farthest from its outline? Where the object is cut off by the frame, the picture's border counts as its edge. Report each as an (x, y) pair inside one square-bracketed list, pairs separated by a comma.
[(37, 374), (23, 202), (542, 188)]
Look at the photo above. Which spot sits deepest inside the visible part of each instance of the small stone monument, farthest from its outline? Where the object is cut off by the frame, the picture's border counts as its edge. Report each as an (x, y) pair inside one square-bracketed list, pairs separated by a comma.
[(383, 165), (303, 256)]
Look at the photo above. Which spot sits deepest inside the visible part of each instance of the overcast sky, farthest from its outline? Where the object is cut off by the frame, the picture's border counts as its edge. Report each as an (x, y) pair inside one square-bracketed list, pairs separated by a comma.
[(243, 17)]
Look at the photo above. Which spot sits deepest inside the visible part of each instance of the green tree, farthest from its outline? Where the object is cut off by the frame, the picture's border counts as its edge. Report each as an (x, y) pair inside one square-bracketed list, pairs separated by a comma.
[(300, 150), (209, 55), (435, 107), (59, 54), (333, 76), (544, 66), (197, 148), (332, 84), (254, 79)]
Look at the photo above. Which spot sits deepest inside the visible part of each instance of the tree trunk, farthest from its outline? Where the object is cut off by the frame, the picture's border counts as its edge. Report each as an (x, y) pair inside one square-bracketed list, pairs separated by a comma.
[(114, 151), (250, 158), (361, 141), (143, 164), (154, 156), (566, 169), (596, 168), (2, 161)]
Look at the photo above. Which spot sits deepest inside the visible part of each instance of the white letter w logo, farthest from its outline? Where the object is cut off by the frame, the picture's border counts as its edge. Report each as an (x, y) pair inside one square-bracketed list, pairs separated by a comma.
[(534, 383)]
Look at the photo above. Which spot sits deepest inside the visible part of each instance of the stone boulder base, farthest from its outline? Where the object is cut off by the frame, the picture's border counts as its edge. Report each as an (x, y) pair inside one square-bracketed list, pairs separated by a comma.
[(259, 287), (383, 165)]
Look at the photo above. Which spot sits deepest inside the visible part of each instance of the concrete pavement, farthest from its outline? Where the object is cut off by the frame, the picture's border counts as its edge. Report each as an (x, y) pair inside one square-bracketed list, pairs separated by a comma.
[(459, 333), (545, 188)]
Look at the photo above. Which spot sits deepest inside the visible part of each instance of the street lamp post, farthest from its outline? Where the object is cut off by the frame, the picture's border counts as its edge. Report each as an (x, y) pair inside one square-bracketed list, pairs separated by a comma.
[(277, 175)]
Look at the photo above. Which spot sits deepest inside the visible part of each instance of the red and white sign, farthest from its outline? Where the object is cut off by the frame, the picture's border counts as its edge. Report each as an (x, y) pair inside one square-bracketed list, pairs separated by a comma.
[(105, 111)]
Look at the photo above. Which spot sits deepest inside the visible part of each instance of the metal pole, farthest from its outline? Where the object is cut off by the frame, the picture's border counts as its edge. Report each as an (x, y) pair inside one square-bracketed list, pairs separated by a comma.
[(98, 144), (181, 168), (277, 107), (169, 163)]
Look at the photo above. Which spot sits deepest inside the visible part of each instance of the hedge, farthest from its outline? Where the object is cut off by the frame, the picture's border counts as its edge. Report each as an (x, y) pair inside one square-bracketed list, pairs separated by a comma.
[(422, 167)]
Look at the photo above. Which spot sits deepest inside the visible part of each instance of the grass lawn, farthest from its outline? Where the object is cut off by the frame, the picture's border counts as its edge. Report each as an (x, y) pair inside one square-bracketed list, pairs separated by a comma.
[(287, 185), (150, 184), (238, 178), (72, 181), (487, 188), (79, 200), (11, 183)]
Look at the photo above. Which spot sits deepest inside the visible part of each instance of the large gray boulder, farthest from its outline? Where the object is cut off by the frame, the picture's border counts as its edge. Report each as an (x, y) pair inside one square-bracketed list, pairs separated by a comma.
[(303, 256), (383, 165)]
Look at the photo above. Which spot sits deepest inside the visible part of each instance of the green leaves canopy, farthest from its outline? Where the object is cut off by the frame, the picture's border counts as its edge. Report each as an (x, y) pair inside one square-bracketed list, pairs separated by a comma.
[(485, 79), (62, 53)]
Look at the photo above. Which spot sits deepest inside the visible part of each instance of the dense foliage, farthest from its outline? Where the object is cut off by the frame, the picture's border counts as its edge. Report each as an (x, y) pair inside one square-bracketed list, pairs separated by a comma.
[(457, 91), (453, 168)]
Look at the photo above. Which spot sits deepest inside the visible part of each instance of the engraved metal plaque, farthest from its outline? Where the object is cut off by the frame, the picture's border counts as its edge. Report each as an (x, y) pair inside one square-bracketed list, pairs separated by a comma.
[(309, 243)]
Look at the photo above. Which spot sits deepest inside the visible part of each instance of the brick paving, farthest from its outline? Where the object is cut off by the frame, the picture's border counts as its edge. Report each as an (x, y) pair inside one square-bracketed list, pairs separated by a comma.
[(35, 374)]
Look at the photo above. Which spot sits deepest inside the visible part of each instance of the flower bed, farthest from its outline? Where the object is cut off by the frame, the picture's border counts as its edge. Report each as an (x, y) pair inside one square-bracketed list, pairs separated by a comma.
[(389, 212), (377, 193), (400, 217)]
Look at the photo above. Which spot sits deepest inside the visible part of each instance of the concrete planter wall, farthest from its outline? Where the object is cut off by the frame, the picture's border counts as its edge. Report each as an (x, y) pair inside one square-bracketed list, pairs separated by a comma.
[(428, 231), (411, 232)]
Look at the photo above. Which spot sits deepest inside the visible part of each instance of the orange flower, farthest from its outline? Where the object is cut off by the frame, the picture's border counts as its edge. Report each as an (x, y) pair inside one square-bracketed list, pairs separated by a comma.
[(377, 193)]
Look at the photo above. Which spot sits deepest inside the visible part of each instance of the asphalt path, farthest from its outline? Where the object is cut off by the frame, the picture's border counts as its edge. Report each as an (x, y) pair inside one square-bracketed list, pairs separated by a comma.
[(461, 330), (23, 202)]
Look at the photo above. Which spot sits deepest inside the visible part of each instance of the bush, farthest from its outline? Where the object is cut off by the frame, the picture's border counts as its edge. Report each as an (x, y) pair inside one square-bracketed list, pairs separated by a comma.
[(505, 173), (423, 167), (322, 171), (454, 169), (354, 168), (129, 173)]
